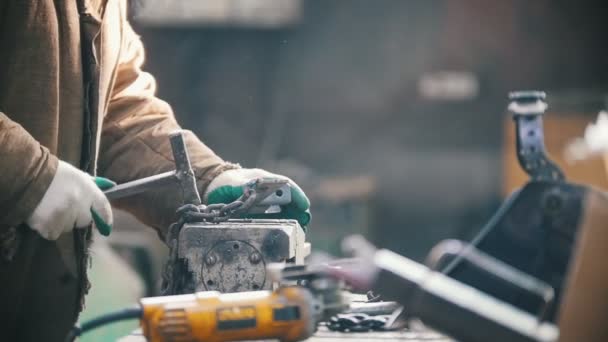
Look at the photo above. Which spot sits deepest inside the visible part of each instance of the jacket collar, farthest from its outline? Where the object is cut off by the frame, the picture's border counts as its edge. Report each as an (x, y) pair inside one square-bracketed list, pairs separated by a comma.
[(95, 8)]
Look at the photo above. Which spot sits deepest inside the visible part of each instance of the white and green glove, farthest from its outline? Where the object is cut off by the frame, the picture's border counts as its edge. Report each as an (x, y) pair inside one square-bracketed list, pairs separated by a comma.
[(228, 187), (74, 199)]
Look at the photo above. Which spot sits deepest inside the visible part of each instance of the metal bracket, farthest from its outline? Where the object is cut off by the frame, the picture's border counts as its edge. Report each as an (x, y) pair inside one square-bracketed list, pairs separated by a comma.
[(528, 108), (271, 194)]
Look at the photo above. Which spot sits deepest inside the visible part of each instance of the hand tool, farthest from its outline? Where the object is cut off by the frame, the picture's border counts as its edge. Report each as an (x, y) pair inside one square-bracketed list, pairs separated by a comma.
[(268, 194), (230, 256), (183, 176)]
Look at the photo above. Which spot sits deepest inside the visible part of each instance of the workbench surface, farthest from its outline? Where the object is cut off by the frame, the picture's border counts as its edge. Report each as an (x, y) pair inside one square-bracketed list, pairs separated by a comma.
[(324, 335)]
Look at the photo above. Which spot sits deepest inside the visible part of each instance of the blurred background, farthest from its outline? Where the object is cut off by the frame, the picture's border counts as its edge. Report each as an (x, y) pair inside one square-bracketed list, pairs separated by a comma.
[(389, 113)]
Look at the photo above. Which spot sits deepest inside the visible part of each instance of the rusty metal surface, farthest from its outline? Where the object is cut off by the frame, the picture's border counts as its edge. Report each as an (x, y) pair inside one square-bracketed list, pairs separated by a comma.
[(183, 169), (233, 265), (231, 256)]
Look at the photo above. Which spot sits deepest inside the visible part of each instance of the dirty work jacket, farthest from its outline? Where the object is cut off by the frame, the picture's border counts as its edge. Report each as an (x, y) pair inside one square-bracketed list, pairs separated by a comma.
[(72, 88)]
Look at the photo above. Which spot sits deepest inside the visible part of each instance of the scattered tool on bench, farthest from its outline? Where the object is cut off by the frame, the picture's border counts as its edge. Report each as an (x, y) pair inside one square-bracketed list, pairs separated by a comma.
[(314, 294), (445, 304), (289, 313)]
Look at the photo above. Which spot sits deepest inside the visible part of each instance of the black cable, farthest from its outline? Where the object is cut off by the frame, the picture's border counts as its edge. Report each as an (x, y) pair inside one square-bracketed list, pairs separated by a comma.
[(121, 315), (485, 230)]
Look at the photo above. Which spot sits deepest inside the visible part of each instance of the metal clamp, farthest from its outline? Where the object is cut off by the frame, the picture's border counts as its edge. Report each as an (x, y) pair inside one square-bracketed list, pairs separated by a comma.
[(528, 108)]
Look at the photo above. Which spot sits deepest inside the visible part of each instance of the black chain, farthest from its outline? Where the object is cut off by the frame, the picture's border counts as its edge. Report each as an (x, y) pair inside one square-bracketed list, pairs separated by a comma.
[(357, 322), (219, 212), (362, 322)]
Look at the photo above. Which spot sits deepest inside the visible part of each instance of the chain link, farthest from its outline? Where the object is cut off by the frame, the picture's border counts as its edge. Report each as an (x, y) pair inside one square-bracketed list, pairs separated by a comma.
[(219, 212), (357, 322), (363, 322)]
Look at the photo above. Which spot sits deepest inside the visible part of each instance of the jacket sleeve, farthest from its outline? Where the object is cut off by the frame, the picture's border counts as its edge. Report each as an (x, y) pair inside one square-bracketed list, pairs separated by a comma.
[(26, 171), (135, 140)]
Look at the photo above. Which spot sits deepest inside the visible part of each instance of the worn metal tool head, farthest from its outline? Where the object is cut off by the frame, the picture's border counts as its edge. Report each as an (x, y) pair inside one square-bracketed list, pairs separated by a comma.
[(183, 176), (183, 169)]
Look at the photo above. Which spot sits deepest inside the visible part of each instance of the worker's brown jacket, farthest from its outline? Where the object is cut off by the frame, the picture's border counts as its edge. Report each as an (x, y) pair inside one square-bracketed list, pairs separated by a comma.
[(72, 88)]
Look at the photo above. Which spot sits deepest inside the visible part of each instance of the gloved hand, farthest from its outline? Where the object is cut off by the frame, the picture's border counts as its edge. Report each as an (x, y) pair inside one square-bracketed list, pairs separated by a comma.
[(228, 186), (73, 200)]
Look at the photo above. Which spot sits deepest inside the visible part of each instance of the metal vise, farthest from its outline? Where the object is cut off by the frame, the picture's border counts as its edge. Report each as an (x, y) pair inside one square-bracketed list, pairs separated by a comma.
[(232, 256), (227, 256)]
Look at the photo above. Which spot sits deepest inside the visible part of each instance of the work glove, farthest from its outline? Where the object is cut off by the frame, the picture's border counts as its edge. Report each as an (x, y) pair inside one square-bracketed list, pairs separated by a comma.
[(228, 187), (74, 199)]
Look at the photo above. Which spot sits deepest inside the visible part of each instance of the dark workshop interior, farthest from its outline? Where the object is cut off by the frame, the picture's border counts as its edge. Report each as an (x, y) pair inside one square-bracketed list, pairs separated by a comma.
[(394, 118)]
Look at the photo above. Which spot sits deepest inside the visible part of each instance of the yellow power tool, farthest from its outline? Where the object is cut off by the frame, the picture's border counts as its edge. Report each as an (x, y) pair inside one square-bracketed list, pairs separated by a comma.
[(286, 314), (289, 313)]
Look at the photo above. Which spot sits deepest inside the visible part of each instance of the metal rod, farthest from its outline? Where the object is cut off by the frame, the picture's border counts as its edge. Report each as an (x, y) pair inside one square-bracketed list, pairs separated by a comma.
[(183, 169), (141, 185)]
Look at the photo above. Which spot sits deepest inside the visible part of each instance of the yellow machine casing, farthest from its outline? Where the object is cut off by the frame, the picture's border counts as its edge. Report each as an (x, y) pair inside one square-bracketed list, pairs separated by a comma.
[(286, 314)]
